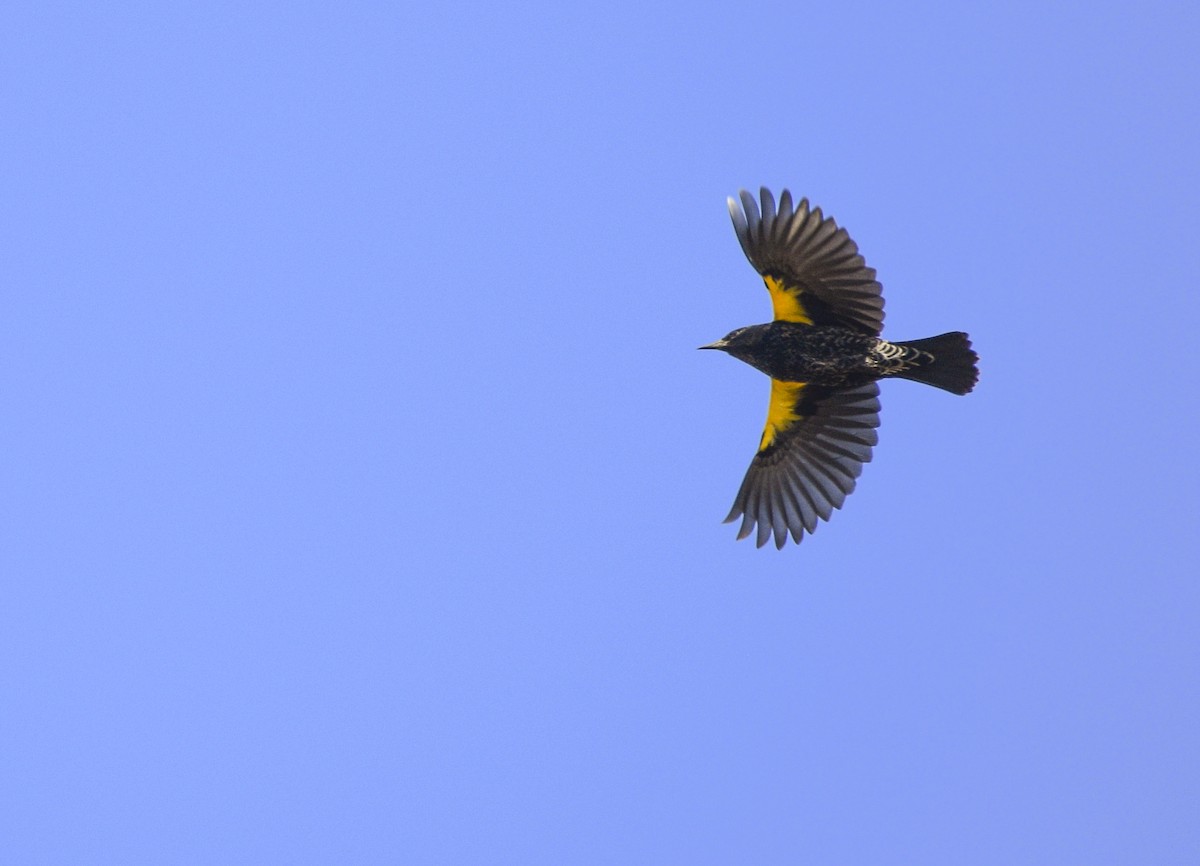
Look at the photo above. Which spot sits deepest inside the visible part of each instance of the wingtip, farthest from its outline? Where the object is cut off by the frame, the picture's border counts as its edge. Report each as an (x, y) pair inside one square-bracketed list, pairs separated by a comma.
[(764, 533), (749, 205), (740, 224), (785, 202), (768, 204)]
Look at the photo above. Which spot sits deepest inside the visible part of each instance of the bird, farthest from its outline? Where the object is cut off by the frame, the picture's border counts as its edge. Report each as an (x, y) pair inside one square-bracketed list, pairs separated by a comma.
[(824, 355)]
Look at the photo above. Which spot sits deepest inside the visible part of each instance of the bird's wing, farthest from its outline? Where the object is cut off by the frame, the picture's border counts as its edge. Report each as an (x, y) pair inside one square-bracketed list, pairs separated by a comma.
[(812, 450), (811, 267)]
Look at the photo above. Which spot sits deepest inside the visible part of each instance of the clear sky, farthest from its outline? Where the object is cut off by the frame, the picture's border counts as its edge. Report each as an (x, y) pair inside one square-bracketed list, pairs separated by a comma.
[(362, 485)]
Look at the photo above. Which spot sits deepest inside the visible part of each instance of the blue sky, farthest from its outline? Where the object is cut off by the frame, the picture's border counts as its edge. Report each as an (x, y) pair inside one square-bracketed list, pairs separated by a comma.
[(362, 485)]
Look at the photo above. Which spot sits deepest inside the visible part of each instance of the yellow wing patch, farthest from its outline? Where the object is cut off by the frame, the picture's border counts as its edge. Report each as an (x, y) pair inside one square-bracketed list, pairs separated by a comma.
[(785, 302), (781, 413)]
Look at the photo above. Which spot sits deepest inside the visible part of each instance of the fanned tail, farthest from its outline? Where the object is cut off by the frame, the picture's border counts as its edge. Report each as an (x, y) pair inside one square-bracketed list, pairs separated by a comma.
[(946, 361)]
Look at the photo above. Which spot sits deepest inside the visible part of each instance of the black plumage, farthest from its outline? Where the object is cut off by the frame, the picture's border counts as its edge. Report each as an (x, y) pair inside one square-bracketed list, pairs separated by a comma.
[(824, 356)]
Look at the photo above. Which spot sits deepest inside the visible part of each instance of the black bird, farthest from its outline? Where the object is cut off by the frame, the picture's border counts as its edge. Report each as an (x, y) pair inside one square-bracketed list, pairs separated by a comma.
[(824, 355)]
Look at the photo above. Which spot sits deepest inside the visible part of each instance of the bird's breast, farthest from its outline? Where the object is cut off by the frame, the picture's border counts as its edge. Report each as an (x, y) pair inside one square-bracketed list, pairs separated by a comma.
[(825, 355)]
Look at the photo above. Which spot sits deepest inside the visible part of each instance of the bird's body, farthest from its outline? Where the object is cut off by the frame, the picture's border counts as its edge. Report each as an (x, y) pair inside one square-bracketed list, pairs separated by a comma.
[(827, 355), (824, 356), (792, 352)]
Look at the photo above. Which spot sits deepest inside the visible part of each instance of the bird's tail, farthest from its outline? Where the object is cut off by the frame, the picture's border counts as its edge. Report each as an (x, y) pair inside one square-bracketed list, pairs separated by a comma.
[(947, 362)]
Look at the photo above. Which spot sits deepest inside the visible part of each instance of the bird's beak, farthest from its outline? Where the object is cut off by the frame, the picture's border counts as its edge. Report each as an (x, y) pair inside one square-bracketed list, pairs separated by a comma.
[(720, 344)]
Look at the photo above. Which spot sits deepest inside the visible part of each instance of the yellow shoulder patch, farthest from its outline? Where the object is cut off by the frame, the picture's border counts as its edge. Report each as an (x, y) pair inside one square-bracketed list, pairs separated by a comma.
[(781, 413), (786, 302)]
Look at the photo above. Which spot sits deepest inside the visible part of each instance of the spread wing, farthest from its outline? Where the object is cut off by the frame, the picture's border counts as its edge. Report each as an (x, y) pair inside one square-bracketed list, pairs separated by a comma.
[(812, 450), (811, 267)]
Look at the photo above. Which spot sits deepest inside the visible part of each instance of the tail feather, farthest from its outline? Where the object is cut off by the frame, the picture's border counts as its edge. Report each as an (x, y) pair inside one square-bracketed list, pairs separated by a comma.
[(946, 361)]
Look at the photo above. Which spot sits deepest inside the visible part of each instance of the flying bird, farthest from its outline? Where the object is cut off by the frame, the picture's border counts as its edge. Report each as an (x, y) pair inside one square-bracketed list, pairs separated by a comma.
[(824, 355)]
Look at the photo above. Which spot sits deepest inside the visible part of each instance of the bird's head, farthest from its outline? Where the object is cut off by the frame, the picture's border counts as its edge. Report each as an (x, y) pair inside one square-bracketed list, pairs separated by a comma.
[(740, 343)]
